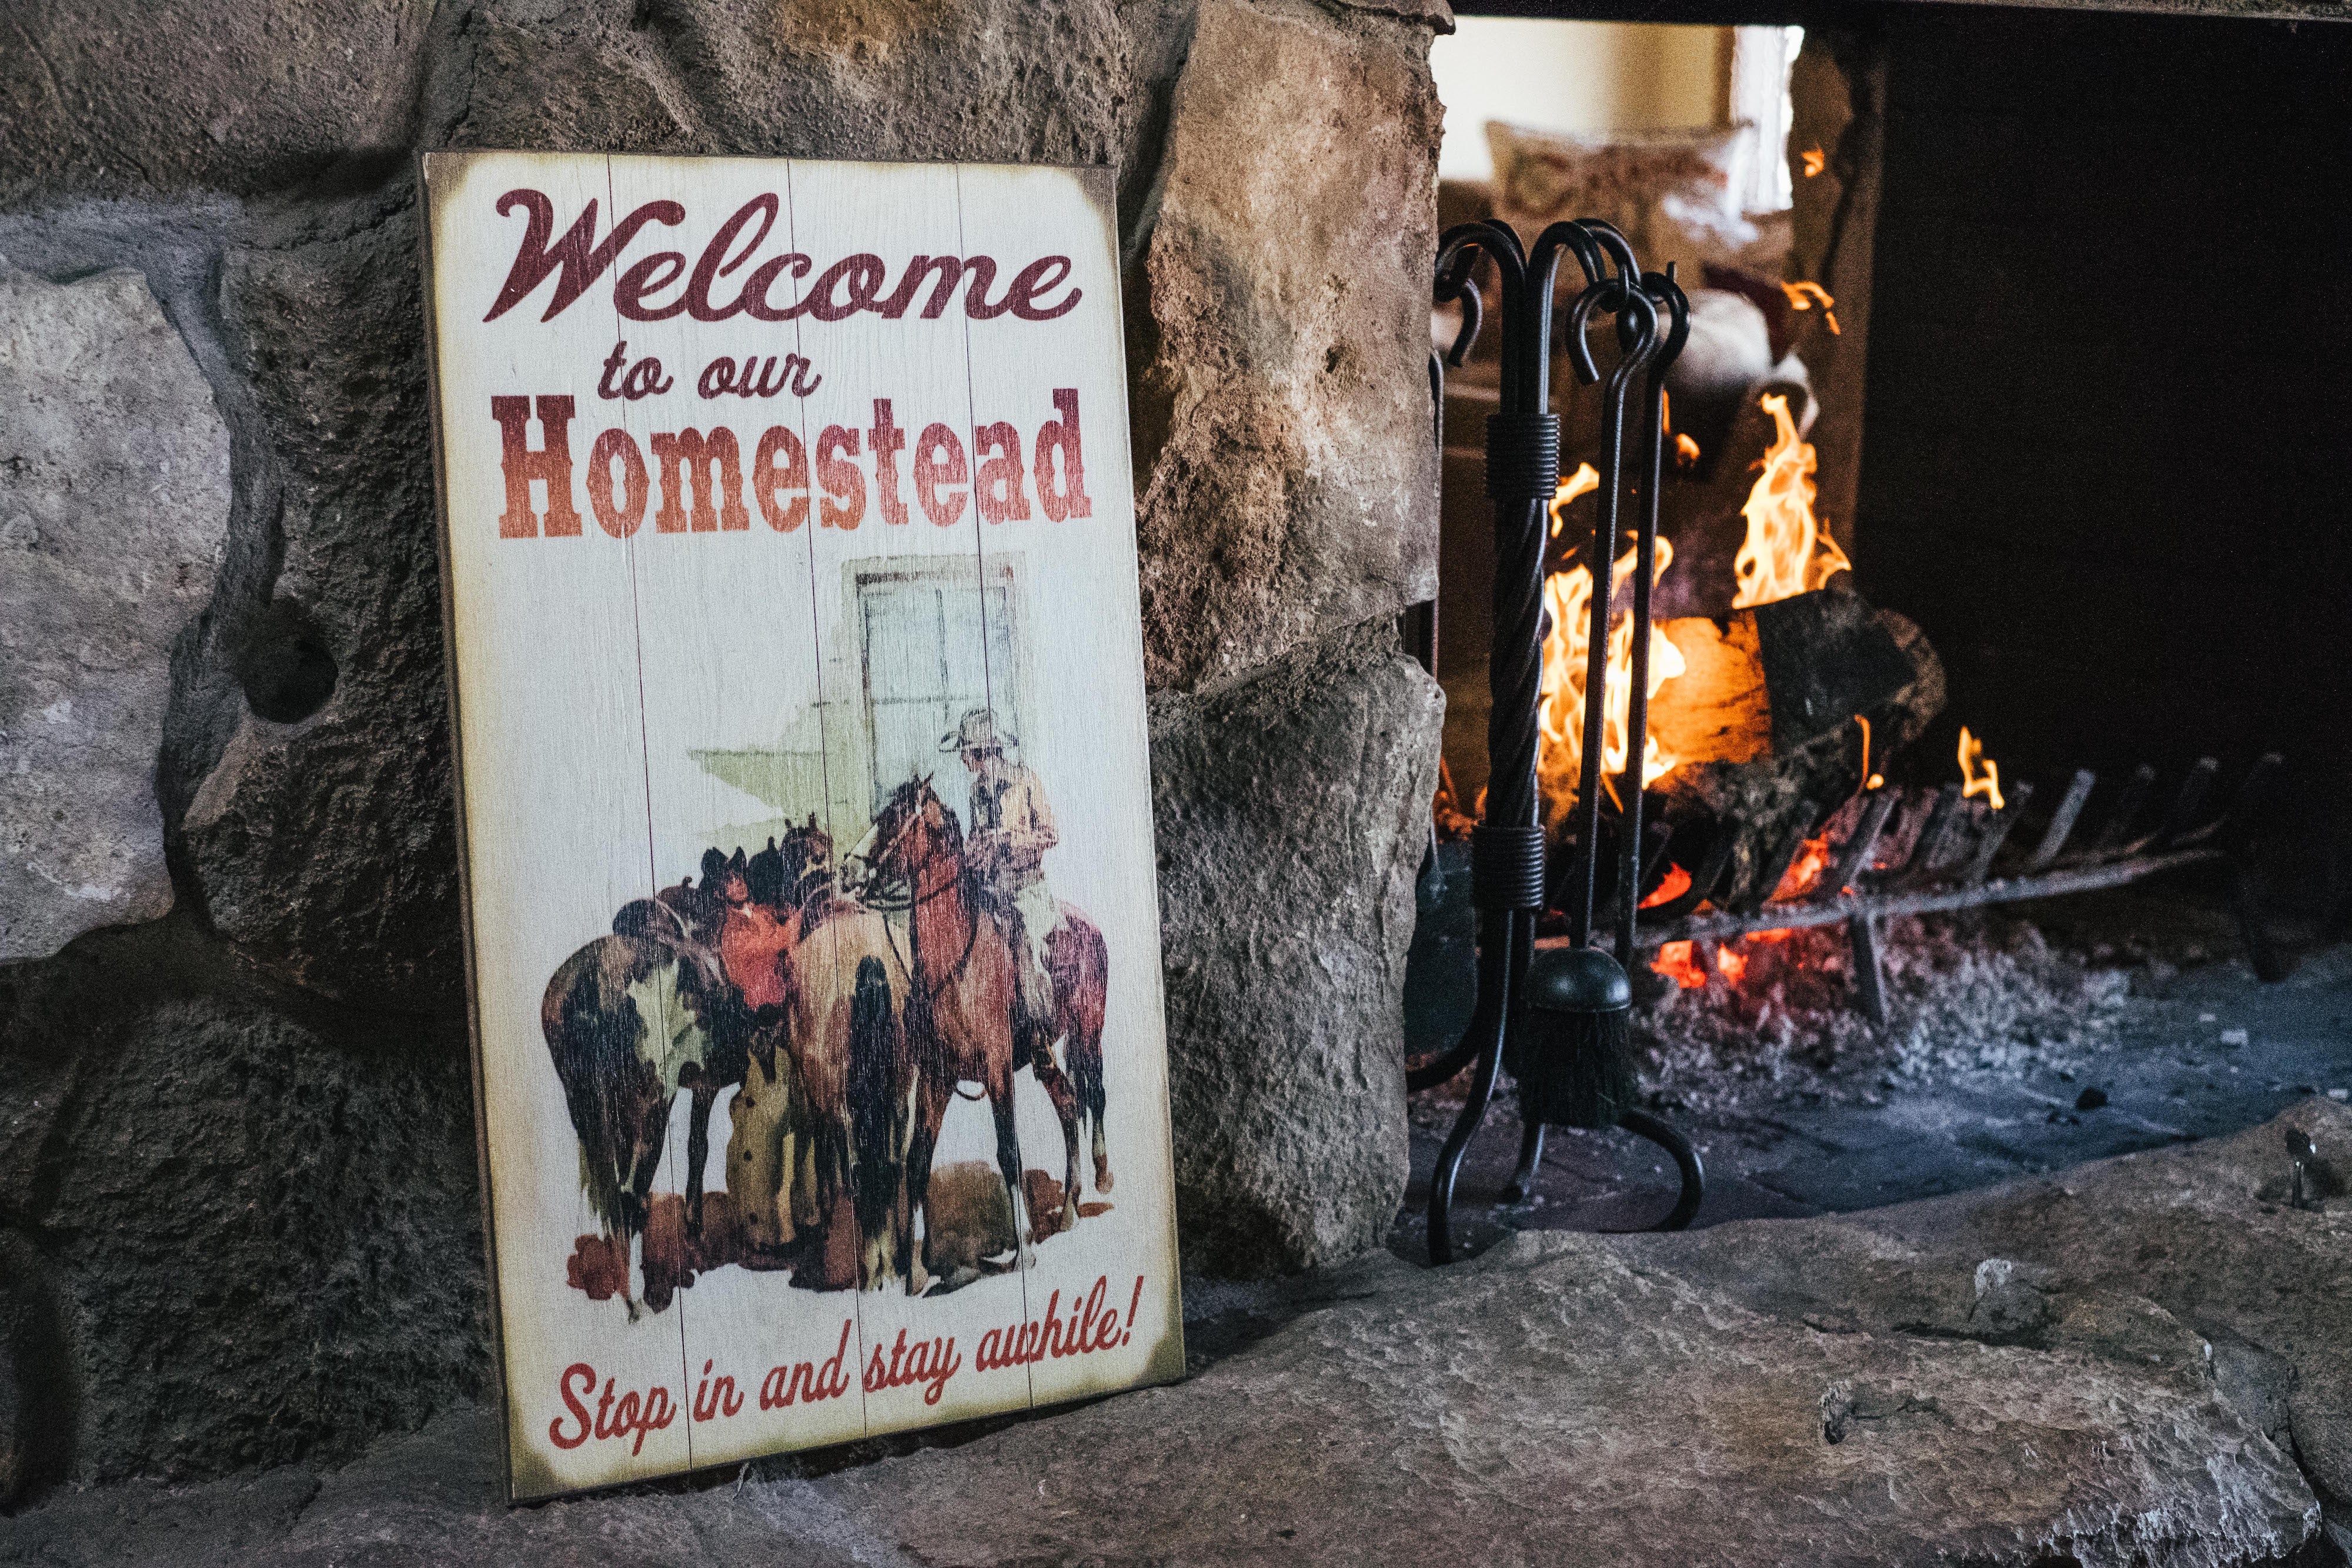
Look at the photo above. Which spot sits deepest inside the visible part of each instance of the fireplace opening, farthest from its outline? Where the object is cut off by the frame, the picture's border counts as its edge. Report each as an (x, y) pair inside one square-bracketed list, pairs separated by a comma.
[(1999, 545)]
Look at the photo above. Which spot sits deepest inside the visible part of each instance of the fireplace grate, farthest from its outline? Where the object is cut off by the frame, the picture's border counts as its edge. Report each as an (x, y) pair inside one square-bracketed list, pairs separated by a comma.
[(1928, 850)]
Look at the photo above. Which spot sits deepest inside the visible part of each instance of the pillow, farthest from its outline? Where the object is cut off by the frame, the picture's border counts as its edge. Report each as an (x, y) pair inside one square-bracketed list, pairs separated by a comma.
[(1669, 190)]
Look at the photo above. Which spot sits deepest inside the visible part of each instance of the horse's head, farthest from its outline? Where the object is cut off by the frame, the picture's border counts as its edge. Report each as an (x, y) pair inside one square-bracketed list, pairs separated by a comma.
[(697, 913), (913, 829), (767, 877)]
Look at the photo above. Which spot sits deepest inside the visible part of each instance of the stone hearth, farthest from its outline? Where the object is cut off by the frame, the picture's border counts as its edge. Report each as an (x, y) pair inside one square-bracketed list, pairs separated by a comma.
[(2139, 1361)]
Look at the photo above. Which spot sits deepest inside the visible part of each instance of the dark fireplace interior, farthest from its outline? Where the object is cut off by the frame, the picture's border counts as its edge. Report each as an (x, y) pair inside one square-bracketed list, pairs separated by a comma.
[(2108, 424)]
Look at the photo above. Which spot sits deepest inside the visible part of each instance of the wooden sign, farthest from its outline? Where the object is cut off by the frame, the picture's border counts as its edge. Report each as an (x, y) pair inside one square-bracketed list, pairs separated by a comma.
[(789, 559)]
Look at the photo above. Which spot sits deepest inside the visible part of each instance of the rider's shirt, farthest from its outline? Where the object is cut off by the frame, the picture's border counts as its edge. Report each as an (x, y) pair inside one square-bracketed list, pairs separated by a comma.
[(1008, 801), (751, 945)]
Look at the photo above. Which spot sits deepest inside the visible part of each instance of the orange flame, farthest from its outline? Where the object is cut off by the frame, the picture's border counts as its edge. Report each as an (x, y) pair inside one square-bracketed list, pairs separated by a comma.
[(1804, 295), (1971, 784), (1583, 482), (1786, 553), (1815, 160), (1732, 962), (1671, 886), (1685, 449), (1560, 711), (1678, 962)]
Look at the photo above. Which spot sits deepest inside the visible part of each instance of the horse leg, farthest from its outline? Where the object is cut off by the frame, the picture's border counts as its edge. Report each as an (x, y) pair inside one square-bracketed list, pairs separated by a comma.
[(698, 1147), (931, 1109), (1008, 1161), (1086, 1070), (1051, 1078)]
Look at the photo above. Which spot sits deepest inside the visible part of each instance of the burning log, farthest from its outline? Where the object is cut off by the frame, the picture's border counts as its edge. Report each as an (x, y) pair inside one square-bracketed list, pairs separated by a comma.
[(1781, 713)]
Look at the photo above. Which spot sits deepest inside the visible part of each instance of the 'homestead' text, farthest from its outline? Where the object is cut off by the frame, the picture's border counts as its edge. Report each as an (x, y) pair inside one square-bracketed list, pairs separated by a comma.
[(710, 480)]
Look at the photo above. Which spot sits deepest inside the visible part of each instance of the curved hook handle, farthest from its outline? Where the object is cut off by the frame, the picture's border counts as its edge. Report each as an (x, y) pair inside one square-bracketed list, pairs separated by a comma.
[(1473, 313), (1637, 320), (1575, 237), (1663, 289), (1611, 295), (1524, 370), (1611, 238)]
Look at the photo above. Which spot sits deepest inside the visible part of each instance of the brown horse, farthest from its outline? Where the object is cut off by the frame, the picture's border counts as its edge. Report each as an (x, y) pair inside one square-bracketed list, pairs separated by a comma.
[(633, 1018), (854, 1070), (1079, 967), (962, 1011), (626, 1023)]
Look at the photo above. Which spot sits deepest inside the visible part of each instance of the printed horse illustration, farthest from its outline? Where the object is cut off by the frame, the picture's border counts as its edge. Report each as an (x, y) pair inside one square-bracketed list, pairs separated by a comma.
[(855, 1071), (1079, 966), (633, 1018), (625, 1023), (962, 1011)]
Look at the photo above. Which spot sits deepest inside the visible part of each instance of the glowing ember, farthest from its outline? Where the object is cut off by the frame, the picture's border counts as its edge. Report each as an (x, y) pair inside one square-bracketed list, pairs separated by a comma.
[(1786, 553), (1804, 873), (1671, 886), (1815, 160), (1685, 450), (1678, 962), (1733, 962), (1804, 295), (1972, 784)]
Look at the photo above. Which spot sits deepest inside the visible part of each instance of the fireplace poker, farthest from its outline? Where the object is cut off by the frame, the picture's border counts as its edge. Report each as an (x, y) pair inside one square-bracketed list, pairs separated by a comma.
[(1603, 1087)]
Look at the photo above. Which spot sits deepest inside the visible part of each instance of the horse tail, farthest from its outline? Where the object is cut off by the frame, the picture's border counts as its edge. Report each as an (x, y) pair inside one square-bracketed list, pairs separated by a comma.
[(873, 1081)]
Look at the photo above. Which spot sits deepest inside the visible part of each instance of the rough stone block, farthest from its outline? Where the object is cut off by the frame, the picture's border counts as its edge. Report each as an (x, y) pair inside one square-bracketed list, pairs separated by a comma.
[(1899, 1387), (267, 1241), (1289, 484), (1292, 812), (1003, 80), (324, 838), (114, 498), (106, 97)]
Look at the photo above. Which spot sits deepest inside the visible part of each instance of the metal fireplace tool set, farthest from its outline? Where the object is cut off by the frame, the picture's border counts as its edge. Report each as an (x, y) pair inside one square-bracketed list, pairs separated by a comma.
[(1561, 1019), (1558, 1018)]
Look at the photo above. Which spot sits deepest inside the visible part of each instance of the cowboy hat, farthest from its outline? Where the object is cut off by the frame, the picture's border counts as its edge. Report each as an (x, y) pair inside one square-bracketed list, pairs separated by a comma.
[(977, 731)]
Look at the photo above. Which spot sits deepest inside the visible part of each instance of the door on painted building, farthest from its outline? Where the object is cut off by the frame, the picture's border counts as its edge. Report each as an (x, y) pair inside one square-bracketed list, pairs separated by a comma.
[(934, 649)]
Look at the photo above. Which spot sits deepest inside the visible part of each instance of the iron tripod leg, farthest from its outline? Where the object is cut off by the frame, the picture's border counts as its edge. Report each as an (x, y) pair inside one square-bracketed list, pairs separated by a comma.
[(1498, 960), (1694, 1174), (1686, 1161), (1523, 1180)]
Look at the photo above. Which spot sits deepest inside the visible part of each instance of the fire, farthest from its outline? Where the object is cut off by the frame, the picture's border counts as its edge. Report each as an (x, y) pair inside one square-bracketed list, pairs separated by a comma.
[(1815, 160), (1671, 886), (1560, 711), (1685, 449), (1786, 553), (1972, 785), (1732, 962), (1804, 873), (1583, 482), (1678, 962), (1805, 295)]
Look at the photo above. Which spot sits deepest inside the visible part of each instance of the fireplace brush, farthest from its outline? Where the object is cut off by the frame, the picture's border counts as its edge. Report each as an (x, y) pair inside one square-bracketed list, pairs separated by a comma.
[(1558, 1017)]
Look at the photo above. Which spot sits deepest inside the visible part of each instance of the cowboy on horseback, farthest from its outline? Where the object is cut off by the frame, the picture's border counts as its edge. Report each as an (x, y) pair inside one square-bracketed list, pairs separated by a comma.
[(1013, 827)]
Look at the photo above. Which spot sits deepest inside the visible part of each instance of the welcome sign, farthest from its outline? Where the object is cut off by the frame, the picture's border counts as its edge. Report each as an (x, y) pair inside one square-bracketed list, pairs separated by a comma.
[(790, 572)]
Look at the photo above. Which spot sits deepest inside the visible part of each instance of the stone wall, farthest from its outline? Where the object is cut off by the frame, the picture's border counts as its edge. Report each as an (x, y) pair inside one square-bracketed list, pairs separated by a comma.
[(237, 1213)]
